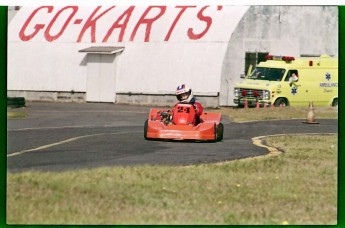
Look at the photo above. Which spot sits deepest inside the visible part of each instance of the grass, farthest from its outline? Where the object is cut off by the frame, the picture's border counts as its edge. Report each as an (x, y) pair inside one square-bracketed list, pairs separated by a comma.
[(299, 186), (16, 114), (254, 114)]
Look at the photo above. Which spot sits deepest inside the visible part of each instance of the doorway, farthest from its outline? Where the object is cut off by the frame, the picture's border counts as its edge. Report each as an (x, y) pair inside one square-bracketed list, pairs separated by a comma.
[(252, 59), (101, 73), (100, 86)]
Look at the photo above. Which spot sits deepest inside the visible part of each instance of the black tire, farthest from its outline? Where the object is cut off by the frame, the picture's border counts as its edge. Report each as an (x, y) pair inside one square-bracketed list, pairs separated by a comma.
[(335, 102), (145, 128), (215, 129), (281, 101), (220, 132)]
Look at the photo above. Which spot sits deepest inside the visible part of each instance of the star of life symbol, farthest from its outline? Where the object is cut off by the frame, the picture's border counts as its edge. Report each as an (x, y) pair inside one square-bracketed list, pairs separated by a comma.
[(328, 76), (294, 90)]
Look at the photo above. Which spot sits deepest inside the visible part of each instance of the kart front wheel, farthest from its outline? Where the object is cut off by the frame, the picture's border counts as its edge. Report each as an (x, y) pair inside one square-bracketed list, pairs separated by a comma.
[(220, 131)]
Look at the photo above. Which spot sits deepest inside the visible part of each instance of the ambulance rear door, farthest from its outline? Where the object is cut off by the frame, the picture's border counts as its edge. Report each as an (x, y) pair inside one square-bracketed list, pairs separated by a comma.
[(327, 87)]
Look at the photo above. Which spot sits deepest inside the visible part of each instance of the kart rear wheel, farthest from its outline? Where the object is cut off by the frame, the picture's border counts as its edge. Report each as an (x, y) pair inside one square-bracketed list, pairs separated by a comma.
[(145, 129), (220, 132)]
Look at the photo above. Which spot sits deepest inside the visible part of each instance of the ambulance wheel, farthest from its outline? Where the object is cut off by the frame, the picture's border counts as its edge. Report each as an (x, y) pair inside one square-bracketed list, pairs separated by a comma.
[(145, 129), (220, 132), (281, 102), (335, 102)]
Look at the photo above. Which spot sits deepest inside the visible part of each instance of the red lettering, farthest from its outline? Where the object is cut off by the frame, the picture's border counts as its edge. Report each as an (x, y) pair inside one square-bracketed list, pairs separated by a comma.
[(51, 38), (148, 22), (91, 23), (65, 16), (183, 9), (204, 18), (37, 27), (127, 14)]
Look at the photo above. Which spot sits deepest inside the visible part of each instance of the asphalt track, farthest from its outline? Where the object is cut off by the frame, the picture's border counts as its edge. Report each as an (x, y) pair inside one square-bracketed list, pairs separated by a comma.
[(69, 136)]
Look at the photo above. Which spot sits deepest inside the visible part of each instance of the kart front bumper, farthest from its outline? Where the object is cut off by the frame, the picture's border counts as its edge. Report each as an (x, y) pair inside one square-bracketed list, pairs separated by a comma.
[(205, 131)]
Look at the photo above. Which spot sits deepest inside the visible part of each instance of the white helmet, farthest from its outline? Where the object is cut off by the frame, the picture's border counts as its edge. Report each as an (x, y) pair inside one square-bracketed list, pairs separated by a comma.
[(184, 94)]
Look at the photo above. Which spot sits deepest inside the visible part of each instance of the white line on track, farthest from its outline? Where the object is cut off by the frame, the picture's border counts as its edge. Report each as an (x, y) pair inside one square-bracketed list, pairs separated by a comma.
[(88, 111), (78, 126), (66, 141)]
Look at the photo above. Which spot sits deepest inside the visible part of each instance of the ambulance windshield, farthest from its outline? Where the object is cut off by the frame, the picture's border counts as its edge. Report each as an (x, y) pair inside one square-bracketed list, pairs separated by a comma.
[(267, 74)]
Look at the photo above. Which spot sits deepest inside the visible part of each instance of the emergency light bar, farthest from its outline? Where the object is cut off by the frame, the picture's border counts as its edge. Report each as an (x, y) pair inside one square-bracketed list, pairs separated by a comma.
[(284, 58)]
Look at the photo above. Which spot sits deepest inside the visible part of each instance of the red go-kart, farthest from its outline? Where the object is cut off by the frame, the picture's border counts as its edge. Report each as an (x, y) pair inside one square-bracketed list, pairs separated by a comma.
[(181, 123)]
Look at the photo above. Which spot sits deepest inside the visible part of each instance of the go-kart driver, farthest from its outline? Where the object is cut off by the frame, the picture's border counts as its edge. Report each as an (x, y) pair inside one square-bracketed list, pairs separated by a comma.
[(184, 94)]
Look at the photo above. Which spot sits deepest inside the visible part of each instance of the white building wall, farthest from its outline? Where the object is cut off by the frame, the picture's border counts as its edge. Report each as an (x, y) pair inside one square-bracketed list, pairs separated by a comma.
[(42, 66), (154, 62), (44, 42)]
